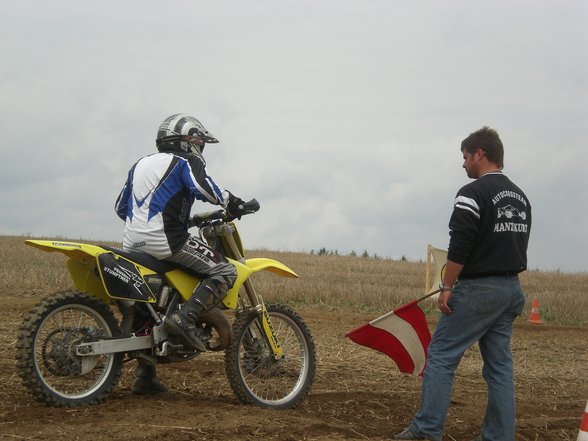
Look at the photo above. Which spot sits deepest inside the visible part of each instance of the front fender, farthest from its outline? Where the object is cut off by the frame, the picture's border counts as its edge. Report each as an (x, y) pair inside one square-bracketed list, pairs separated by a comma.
[(250, 266), (261, 263)]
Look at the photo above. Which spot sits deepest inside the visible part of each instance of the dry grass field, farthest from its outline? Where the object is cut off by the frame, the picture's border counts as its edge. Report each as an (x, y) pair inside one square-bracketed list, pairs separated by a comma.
[(358, 393)]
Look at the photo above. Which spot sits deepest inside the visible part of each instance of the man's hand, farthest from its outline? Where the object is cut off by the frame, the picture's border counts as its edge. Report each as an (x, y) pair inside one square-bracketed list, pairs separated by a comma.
[(233, 205), (452, 271), (444, 297)]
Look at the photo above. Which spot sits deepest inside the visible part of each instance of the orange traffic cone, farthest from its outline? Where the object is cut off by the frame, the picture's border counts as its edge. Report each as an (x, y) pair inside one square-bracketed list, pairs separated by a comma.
[(535, 318), (583, 433)]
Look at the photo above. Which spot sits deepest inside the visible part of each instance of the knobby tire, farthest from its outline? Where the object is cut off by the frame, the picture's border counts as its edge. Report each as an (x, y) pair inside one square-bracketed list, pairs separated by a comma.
[(255, 376), (46, 358)]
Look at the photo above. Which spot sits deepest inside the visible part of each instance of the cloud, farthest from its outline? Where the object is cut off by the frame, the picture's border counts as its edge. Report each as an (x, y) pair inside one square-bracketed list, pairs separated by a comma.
[(343, 118)]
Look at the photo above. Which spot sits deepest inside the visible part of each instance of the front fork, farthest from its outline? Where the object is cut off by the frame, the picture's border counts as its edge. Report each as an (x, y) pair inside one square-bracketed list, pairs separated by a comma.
[(266, 323), (256, 300)]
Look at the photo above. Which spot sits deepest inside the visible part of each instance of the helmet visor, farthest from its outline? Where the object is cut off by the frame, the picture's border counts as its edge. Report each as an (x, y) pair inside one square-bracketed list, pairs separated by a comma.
[(206, 137), (202, 134)]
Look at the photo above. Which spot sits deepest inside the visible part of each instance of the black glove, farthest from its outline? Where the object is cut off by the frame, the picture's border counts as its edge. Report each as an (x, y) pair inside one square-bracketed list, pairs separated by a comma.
[(234, 206)]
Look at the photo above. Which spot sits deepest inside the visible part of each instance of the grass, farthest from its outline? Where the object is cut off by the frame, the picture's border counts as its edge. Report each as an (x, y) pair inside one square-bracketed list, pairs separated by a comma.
[(331, 282)]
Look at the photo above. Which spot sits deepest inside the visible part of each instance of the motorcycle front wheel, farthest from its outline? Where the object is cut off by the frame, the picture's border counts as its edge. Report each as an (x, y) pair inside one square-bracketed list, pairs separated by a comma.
[(255, 376), (46, 351)]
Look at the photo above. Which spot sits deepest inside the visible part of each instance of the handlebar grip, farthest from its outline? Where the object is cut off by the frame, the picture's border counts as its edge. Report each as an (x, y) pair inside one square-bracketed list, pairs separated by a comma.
[(249, 207)]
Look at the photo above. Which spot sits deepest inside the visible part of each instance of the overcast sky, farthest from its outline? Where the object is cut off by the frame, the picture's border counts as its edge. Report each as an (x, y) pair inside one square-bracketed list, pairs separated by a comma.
[(343, 118)]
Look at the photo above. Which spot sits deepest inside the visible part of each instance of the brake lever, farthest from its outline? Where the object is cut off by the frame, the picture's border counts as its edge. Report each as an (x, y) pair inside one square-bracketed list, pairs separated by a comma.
[(200, 219)]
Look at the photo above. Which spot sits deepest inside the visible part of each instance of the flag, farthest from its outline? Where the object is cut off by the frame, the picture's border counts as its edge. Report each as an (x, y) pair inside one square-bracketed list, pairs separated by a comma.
[(402, 334), (436, 260)]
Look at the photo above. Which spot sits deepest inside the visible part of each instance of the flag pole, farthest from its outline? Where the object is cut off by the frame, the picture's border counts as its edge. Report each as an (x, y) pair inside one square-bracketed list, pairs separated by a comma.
[(408, 305), (402, 334), (428, 295)]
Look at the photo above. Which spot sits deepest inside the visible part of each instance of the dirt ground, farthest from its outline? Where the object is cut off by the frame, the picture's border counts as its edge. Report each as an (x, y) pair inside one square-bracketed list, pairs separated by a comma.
[(358, 393)]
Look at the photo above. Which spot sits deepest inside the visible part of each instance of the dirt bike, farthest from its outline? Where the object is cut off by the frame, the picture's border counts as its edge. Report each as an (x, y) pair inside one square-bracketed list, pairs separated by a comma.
[(72, 346)]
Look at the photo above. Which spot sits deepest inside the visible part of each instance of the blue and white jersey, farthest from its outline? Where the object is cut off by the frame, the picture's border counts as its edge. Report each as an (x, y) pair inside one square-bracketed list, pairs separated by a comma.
[(157, 198)]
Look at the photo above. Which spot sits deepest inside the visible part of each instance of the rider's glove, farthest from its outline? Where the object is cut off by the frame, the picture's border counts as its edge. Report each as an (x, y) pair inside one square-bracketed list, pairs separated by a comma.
[(233, 207)]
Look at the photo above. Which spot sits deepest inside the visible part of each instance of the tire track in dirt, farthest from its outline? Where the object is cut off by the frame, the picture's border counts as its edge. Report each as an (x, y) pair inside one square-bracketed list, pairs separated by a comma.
[(358, 393)]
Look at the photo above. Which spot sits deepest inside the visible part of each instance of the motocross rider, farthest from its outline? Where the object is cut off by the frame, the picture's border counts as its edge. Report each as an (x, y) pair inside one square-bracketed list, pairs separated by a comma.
[(155, 204)]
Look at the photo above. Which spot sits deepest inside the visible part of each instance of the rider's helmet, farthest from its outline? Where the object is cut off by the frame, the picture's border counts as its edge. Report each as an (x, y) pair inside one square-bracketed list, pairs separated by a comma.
[(183, 133)]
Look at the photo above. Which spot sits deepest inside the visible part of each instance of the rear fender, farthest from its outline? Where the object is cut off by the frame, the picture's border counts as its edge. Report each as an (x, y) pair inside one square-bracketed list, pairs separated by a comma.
[(76, 251), (83, 266)]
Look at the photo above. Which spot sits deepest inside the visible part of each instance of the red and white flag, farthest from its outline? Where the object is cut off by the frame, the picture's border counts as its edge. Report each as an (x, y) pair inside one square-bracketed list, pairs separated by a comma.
[(402, 334)]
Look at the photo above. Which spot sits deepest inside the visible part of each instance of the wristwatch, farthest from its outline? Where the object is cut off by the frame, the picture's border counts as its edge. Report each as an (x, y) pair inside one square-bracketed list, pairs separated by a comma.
[(444, 288)]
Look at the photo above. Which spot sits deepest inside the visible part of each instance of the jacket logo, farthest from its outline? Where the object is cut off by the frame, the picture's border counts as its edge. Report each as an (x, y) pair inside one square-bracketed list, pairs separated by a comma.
[(509, 212)]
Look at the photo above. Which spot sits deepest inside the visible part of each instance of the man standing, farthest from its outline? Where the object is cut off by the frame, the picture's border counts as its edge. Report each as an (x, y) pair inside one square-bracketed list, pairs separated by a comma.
[(481, 294)]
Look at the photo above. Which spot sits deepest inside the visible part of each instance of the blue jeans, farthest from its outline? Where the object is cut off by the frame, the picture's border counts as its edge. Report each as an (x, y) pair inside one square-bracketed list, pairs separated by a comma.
[(483, 311)]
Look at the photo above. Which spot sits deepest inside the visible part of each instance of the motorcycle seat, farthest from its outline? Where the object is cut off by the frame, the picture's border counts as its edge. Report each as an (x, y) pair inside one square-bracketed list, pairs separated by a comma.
[(148, 261)]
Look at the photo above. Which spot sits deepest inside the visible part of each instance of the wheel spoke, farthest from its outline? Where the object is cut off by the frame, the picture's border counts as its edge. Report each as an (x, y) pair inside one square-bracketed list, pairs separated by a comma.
[(254, 373), (49, 364)]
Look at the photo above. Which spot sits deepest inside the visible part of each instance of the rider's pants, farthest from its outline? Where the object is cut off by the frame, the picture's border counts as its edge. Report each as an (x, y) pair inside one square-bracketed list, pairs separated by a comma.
[(206, 262)]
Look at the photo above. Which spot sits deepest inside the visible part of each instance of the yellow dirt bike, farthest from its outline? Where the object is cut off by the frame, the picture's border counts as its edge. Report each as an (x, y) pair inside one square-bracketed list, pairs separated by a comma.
[(72, 346)]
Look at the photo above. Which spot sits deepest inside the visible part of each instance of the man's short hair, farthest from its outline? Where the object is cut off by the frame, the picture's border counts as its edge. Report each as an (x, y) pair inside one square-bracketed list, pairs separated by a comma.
[(488, 140)]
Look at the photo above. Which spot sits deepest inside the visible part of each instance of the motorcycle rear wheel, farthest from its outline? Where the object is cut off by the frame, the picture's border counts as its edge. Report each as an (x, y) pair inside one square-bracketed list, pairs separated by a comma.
[(254, 374), (46, 356)]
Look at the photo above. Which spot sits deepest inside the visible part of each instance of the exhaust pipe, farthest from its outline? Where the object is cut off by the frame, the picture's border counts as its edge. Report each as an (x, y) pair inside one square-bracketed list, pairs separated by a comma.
[(221, 324)]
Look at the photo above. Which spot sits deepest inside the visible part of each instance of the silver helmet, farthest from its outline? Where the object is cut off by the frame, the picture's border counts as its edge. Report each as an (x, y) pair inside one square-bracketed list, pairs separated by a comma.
[(184, 133)]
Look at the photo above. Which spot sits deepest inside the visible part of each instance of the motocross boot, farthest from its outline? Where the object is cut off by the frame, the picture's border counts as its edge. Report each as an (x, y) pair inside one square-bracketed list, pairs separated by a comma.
[(183, 322), (146, 381)]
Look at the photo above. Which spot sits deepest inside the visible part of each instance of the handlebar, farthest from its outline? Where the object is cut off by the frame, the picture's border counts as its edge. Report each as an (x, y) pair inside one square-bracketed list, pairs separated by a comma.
[(221, 216)]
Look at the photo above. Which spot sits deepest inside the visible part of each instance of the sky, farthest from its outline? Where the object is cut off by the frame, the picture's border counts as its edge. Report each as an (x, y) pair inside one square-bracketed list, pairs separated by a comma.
[(343, 118)]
